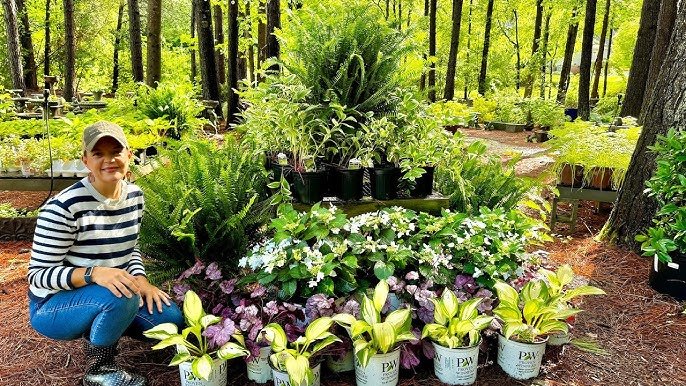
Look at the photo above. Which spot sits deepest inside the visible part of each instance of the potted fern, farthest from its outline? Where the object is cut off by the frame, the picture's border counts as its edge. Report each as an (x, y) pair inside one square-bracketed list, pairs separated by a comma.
[(376, 342), (456, 337), (291, 361), (199, 363)]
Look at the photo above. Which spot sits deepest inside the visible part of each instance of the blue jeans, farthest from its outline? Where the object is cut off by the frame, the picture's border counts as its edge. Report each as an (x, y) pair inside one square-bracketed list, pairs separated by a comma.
[(94, 312)]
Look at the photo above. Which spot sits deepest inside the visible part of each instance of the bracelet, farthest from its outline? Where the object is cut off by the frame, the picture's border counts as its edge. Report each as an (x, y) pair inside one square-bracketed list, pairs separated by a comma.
[(87, 277)]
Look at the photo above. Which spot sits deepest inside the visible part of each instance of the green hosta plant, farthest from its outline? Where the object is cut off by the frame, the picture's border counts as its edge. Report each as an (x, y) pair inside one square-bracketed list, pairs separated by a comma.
[(557, 282), (456, 324), (191, 344), (294, 358), (370, 334)]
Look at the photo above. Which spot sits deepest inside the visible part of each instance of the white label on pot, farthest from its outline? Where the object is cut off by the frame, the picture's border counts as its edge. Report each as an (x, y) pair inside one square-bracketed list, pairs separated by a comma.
[(218, 376), (382, 370), (258, 367), (673, 265), (456, 366)]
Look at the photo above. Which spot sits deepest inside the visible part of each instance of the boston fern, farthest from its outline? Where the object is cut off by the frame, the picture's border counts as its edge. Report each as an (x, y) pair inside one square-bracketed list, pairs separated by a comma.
[(207, 203)]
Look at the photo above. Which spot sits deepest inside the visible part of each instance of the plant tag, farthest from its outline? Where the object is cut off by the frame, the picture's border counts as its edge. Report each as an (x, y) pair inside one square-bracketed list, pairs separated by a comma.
[(673, 265)]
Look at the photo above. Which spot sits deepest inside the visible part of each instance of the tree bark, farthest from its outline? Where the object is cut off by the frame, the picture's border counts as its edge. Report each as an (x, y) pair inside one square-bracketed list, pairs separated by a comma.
[(607, 62), (13, 44), (544, 52), (251, 47), (242, 65), (432, 50), (452, 56), (208, 66), (665, 27), (46, 49), (194, 65), (135, 41), (261, 36), (633, 210), (117, 43), (273, 22), (232, 37), (29, 58), (518, 75), (70, 45), (585, 65), (422, 78), (572, 31), (640, 65), (598, 67), (219, 42), (487, 45), (469, 47), (532, 66), (154, 44)]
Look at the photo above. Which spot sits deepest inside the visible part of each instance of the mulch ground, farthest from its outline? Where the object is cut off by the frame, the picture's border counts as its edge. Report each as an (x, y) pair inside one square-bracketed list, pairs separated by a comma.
[(642, 334)]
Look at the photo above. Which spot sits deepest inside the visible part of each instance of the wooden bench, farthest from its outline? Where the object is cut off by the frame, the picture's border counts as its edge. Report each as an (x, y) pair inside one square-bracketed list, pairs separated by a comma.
[(574, 195)]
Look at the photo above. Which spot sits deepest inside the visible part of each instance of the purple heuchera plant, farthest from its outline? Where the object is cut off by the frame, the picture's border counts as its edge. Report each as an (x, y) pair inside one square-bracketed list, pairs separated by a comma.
[(220, 333), (319, 305)]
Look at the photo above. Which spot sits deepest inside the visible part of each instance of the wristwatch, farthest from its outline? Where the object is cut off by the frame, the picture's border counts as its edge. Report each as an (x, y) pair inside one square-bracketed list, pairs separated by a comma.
[(87, 276)]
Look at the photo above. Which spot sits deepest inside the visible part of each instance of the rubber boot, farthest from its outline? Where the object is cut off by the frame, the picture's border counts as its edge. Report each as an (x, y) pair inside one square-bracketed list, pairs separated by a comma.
[(101, 369)]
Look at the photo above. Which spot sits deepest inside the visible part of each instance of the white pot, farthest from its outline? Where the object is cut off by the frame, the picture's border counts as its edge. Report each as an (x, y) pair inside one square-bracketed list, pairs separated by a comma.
[(382, 370), (282, 379), (340, 365), (259, 370), (68, 169), (456, 366), (217, 376), (520, 360), (559, 339), (81, 169)]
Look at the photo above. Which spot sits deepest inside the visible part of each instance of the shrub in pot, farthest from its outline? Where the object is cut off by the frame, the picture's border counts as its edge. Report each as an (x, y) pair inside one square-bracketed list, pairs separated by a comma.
[(291, 362), (196, 358), (375, 342), (456, 337)]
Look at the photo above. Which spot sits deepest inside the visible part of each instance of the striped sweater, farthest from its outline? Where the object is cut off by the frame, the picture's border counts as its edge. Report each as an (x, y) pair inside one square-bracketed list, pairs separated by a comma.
[(80, 228)]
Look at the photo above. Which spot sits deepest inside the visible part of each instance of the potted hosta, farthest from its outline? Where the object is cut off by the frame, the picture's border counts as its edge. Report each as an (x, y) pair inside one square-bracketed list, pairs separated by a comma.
[(456, 334), (376, 342), (380, 155), (199, 363), (291, 361)]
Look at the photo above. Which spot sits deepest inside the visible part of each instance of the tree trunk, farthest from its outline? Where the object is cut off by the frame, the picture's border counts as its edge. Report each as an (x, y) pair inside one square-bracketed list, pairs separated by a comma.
[(28, 56), (601, 52), (219, 42), (607, 62), (665, 27), (273, 22), (572, 31), (154, 44), (242, 65), (251, 48), (544, 52), (640, 65), (135, 41), (469, 47), (117, 42), (432, 50), (422, 79), (13, 44), (232, 55), (261, 36), (70, 45), (633, 210), (585, 65), (518, 75), (452, 56), (487, 45), (194, 65), (46, 50), (208, 66), (532, 66)]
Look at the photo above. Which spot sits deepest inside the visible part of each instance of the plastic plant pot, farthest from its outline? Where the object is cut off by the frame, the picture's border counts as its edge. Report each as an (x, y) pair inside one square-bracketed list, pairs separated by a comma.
[(384, 182)]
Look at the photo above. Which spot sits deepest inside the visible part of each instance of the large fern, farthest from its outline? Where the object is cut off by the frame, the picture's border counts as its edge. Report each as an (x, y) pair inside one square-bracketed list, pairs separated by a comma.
[(208, 202)]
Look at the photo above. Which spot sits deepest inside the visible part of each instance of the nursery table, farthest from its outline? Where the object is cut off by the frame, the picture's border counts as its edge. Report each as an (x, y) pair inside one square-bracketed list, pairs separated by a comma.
[(431, 204), (574, 195), (36, 184)]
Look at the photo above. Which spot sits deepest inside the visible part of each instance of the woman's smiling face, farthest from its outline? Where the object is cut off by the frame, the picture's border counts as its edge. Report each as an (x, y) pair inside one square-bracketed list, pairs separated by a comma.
[(108, 161)]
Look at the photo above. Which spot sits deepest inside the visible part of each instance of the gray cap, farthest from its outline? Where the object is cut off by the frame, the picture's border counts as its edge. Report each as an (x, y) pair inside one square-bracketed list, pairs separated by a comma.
[(93, 133)]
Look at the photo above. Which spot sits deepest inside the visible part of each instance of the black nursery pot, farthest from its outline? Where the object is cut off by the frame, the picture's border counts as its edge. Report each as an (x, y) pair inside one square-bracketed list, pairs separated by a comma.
[(310, 187), (348, 183), (384, 182), (670, 278), (424, 184), (285, 170)]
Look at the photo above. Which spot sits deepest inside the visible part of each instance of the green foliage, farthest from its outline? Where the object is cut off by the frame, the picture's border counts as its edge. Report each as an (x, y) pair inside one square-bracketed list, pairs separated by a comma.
[(207, 203), (174, 102), (606, 109), (458, 324), (546, 112), (668, 187), (344, 54), (191, 343), (9, 211)]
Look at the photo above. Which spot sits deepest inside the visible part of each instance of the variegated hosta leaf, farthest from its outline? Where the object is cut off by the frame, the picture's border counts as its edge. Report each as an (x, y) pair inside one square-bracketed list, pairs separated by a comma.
[(322, 344), (275, 334), (297, 368), (171, 341), (380, 295), (162, 331), (564, 275), (460, 328), (532, 309), (506, 293), (358, 328), (400, 319), (383, 336), (551, 326), (232, 350), (434, 331), (209, 320), (317, 328), (344, 319), (450, 303), (180, 358), (202, 367), (365, 354), (508, 314), (192, 309), (481, 322), (582, 291), (513, 328), (368, 311), (468, 309), (440, 313)]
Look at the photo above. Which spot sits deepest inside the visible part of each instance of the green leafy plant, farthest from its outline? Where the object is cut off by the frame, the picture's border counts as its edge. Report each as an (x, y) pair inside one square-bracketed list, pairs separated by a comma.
[(192, 345), (457, 324), (173, 102), (370, 334), (294, 357), (9, 211)]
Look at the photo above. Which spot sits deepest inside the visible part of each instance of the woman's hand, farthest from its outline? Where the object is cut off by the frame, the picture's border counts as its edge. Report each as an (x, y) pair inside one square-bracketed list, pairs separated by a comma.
[(117, 280), (151, 295)]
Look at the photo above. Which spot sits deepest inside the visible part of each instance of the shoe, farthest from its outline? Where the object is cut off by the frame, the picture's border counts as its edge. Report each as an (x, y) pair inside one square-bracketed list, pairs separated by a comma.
[(102, 370)]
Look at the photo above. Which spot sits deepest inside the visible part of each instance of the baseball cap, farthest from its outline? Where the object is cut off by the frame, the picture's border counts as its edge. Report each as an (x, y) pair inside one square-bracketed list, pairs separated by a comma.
[(93, 133)]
